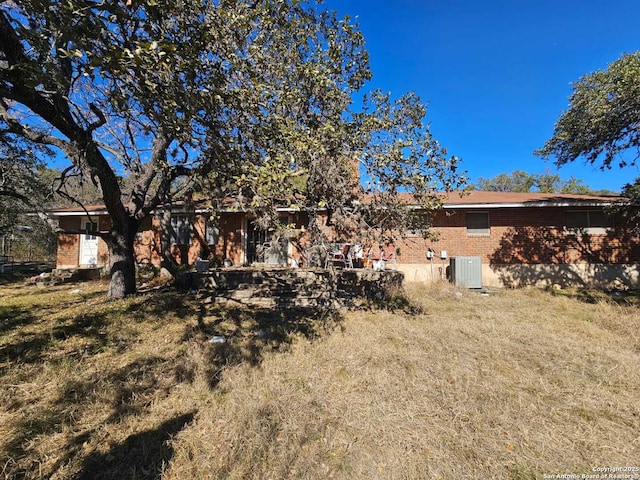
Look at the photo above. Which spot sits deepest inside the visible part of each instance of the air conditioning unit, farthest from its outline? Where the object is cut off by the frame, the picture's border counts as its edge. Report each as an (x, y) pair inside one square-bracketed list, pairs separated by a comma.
[(466, 271)]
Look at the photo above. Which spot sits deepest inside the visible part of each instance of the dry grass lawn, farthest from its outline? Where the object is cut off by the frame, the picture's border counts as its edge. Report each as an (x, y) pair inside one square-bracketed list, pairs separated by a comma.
[(455, 384)]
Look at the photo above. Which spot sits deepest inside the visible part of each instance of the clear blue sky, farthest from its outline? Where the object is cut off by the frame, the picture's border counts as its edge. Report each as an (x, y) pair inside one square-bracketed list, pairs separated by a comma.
[(496, 74)]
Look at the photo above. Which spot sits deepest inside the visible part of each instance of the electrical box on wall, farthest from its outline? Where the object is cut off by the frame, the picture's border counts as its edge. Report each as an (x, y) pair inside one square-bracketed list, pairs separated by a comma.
[(466, 271)]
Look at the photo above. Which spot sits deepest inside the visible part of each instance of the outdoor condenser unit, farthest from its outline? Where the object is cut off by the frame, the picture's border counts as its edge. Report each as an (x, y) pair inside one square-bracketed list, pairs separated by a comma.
[(466, 271)]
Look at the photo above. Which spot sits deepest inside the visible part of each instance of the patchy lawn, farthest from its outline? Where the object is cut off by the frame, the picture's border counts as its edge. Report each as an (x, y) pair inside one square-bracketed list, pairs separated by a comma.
[(515, 384)]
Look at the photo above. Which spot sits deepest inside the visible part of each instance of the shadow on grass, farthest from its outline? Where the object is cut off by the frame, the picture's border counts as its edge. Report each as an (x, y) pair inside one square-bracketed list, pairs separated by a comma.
[(245, 334), (162, 301), (125, 389), (396, 303), (627, 298), (14, 317), (12, 279), (128, 388), (142, 455), (30, 348)]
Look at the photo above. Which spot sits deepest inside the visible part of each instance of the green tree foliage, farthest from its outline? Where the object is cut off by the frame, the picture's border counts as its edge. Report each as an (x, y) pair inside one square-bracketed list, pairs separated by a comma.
[(24, 190), (516, 181), (363, 167), (602, 123), (399, 155), (164, 92), (245, 98), (519, 181), (314, 149)]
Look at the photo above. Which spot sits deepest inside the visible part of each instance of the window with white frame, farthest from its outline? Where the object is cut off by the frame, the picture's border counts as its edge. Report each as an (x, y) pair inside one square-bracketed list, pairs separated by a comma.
[(478, 223), (181, 229), (588, 221), (211, 232), (91, 228)]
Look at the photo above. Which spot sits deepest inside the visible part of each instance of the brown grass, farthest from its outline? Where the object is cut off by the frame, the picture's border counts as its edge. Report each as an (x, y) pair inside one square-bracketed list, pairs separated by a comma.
[(514, 384)]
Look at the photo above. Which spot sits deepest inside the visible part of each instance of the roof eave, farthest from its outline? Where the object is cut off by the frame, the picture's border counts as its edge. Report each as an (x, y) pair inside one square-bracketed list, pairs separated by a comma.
[(452, 206)]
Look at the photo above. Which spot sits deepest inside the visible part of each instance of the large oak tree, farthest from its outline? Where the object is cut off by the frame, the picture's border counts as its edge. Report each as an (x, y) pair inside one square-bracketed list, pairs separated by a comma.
[(223, 98), (165, 92)]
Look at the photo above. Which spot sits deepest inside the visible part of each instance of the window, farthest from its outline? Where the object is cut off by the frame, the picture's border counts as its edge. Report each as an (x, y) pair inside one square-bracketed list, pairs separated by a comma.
[(181, 229), (478, 223), (212, 233), (91, 228), (257, 239), (589, 221)]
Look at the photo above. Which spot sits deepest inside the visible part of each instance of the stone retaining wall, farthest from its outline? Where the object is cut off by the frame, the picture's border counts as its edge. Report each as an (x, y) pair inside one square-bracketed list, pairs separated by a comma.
[(286, 287)]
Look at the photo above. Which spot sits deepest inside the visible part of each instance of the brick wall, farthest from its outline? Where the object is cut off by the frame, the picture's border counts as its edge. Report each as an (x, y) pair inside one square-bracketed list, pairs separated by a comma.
[(68, 253), (104, 224), (229, 245), (517, 236), (522, 236), (230, 241), (68, 250), (147, 243)]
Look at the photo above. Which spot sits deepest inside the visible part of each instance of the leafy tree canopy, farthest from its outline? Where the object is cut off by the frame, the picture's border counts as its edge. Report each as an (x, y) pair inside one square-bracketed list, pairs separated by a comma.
[(245, 98), (23, 181), (360, 166), (602, 123), (165, 93)]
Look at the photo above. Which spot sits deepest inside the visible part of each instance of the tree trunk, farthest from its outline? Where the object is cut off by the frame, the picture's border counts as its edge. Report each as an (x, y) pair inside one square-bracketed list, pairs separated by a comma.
[(122, 260), (316, 256), (167, 261)]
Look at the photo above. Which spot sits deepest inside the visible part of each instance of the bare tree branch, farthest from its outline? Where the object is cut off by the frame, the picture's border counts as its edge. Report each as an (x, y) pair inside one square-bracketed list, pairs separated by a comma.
[(18, 196), (37, 137)]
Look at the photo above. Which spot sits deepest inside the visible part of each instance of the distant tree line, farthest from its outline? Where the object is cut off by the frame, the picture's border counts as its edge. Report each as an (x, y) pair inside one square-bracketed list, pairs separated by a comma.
[(520, 181)]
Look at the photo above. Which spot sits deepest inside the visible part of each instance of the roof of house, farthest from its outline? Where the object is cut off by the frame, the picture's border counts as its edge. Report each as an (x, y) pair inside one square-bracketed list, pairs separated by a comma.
[(480, 199), (72, 211), (474, 199)]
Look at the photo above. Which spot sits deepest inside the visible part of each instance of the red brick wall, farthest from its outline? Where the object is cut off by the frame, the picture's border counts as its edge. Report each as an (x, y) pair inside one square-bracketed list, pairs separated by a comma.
[(104, 224), (68, 246), (517, 236), (230, 241), (68, 254), (198, 247), (522, 236), (147, 243)]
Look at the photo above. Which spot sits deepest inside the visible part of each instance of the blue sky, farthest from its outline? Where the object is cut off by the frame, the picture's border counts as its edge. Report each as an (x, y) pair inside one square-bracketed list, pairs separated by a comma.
[(496, 74)]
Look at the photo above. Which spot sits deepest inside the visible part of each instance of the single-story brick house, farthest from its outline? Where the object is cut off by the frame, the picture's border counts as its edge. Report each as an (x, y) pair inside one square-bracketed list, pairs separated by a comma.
[(520, 238)]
